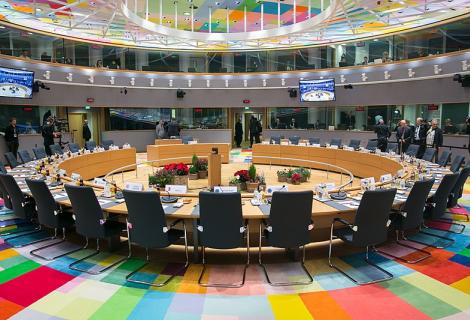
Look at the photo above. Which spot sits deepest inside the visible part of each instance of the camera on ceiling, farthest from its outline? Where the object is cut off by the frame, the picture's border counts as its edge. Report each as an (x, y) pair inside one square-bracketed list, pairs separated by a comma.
[(292, 93), (180, 94), (40, 85), (464, 80)]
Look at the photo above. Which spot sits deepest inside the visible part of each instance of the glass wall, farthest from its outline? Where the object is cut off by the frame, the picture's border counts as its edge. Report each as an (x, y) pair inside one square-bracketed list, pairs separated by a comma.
[(27, 118), (448, 38)]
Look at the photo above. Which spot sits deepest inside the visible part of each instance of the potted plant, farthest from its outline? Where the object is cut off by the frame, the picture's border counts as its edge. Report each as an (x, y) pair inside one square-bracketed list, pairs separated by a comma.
[(160, 179), (282, 175), (252, 185), (193, 173), (295, 178), (179, 171), (235, 182), (202, 168), (290, 172), (304, 173), (243, 177)]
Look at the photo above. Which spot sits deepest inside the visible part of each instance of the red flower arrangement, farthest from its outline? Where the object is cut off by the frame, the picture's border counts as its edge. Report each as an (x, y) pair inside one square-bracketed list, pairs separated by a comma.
[(242, 175), (179, 169), (295, 178)]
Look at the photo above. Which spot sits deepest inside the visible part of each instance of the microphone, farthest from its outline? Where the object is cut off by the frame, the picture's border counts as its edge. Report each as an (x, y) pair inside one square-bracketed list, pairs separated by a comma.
[(339, 195), (168, 198)]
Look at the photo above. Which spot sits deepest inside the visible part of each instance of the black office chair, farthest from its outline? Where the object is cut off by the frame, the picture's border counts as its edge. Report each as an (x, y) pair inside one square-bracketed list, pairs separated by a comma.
[(354, 143), (444, 158), (410, 216), (186, 139), (288, 230), (90, 145), (74, 147), (6, 203), (24, 155), (391, 146), (314, 140), (56, 149), (2, 168), (50, 215), (148, 228), (335, 142), (429, 154), (457, 163), (294, 140), (412, 150), (370, 228), (275, 140), (436, 208), (106, 144), (457, 191), (90, 223), (39, 153), (23, 208), (11, 160), (221, 226), (371, 145)]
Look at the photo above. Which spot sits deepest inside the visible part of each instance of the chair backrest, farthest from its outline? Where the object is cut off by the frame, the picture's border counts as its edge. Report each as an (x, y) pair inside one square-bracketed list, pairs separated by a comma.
[(457, 163), (220, 219), (294, 140), (354, 143), (429, 154), (314, 140), (2, 168), (45, 204), (415, 203), (275, 140), (457, 190), (4, 194), (289, 218), (444, 158), (412, 150), (74, 147), (372, 217), (18, 201), (11, 159), (24, 156), (371, 145), (147, 218), (186, 139), (39, 153), (90, 145), (106, 144), (439, 200), (391, 146), (87, 211), (56, 149), (335, 142)]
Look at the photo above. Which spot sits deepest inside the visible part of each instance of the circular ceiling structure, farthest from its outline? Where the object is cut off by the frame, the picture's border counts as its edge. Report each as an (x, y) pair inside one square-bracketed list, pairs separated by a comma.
[(226, 25)]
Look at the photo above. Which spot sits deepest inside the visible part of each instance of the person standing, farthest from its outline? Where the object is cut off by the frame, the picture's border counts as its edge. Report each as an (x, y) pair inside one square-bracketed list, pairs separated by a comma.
[(86, 133), (383, 133), (293, 124), (160, 130), (48, 135), (434, 138), (403, 136), (11, 137), (173, 128), (253, 130), (238, 133), (419, 136)]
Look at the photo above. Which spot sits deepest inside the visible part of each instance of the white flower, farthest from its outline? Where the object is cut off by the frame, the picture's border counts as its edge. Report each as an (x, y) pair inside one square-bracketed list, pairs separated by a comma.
[(238, 177)]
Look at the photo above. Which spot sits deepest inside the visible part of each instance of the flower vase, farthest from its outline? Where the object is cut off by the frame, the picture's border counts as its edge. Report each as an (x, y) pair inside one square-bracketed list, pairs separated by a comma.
[(251, 186), (202, 174), (281, 178), (193, 176), (181, 180), (243, 186), (238, 185)]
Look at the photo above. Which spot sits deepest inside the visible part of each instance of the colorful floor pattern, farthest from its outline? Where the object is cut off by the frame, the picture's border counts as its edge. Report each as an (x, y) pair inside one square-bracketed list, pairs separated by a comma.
[(437, 288)]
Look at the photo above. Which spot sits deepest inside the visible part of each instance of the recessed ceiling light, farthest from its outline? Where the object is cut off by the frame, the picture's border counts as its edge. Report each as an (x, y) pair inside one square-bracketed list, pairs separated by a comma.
[(30, 33), (2, 27), (186, 13)]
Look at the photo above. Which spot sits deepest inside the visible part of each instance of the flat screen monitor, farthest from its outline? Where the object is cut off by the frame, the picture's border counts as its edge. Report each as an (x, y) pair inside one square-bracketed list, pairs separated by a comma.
[(317, 90), (16, 83)]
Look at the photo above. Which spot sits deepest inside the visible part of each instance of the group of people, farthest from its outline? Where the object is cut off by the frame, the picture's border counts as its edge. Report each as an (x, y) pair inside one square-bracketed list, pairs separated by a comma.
[(280, 125), (255, 127), (424, 134), (166, 130)]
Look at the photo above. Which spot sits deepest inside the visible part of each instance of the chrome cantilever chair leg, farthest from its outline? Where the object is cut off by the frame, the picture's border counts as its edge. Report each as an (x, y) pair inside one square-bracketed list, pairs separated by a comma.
[(97, 251), (282, 284), (449, 240), (449, 222), (19, 234), (388, 277), (129, 276), (226, 285), (425, 253), (33, 252)]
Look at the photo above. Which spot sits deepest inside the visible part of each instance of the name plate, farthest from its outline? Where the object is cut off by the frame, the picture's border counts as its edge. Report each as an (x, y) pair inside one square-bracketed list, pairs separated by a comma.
[(302, 144), (134, 186), (192, 142), (284, 143), (61, 172), (126, 146), (222, 189), (386, 178), (174, 188), (271, 189), (400, 173), (99, 182), (265, 142), (368, 183), (315, 145), (75, 176), (333, 147)]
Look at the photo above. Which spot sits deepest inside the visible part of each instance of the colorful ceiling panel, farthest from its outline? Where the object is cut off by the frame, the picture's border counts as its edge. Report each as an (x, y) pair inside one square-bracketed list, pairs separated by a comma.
[(226, 24)]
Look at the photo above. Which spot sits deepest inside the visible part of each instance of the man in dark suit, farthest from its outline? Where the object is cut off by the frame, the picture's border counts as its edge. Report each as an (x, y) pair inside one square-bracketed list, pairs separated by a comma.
[(404, 135), (238, 133), (11, 137), (419, 136), (434, 137), (86, 131), (383, 133)]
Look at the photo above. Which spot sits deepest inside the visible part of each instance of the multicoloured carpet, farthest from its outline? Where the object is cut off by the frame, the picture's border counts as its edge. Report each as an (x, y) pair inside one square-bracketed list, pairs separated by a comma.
[(437, 288)]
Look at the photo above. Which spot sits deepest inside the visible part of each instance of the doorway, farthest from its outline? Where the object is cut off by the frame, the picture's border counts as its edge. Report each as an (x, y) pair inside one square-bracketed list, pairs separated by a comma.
[(76, 127), (244, 115)]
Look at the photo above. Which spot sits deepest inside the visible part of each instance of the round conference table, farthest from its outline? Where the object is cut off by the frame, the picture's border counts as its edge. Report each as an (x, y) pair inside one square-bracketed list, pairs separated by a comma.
[(361, 164)]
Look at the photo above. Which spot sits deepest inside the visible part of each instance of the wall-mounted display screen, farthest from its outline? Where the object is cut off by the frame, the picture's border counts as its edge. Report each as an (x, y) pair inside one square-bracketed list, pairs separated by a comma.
[(16, 83), (317, 90)]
